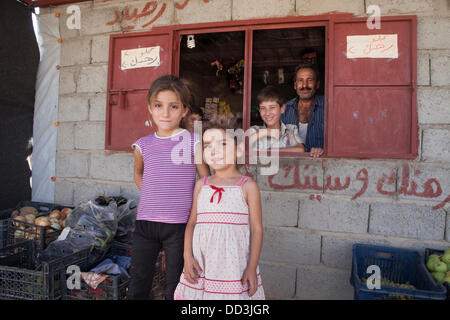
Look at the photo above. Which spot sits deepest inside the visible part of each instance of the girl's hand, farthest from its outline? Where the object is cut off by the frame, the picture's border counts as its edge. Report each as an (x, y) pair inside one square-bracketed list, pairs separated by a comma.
[(252, 279), (191, 270)]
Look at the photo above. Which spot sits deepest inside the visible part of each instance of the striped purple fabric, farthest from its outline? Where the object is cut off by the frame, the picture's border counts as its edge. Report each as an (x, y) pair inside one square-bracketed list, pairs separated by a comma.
[(169, 177)]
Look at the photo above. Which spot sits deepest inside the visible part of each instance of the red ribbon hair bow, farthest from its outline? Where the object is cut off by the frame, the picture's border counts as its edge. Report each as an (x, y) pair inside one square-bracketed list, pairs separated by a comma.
[(217, 190)]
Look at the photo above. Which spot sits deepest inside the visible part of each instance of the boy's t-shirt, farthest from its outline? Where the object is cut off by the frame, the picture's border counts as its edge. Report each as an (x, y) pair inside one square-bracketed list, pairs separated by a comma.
[(169, 177)]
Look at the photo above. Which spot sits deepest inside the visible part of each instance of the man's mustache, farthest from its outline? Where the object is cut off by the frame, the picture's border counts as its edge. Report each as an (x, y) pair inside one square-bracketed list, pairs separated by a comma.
[(306, 88)]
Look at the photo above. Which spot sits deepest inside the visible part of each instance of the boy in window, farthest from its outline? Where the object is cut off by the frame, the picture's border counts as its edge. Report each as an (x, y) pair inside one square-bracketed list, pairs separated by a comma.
[(306, 111), (275, 134)]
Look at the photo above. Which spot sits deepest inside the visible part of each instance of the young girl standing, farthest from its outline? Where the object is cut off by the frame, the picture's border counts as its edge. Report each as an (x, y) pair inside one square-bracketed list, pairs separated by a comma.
[(223, 236), (165, 174)]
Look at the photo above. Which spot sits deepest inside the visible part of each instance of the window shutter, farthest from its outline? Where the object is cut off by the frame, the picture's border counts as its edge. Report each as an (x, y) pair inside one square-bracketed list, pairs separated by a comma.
[(372, 111), (133, 65)]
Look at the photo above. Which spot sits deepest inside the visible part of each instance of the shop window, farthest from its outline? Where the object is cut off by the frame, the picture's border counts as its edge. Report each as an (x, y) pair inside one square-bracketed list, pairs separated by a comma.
[(370, 100)]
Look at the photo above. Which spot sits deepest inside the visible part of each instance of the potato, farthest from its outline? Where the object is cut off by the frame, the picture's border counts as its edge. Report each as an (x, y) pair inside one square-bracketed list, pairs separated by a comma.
[(15, 213), (30, 218), (31, 210)]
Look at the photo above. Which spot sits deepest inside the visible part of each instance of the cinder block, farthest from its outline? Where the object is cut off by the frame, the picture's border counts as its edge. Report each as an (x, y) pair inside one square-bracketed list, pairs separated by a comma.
[(430, 33), (63, 192), (435, 145), (64, 30), (432, 105), (97, 107), (90, 190), (291, 245), (423, 181), (100, 49), (423, 68), (278, 280), (279, 209), (247, 9), (66, 136), (130, 191), (75, 52), (98, 21), (358, 179), (334, 215), (116, 167), (249, 170), (74, 108), (323, 283), (407, 220), (90, 135), (67, 81), (393, 7), (72, 165), (92, 79), (312, 7), (294, 175), (199, 11), (439, 70)]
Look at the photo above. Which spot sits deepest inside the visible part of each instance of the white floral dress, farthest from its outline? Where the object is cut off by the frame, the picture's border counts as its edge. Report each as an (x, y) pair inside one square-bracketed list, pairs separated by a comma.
[(221, 246)]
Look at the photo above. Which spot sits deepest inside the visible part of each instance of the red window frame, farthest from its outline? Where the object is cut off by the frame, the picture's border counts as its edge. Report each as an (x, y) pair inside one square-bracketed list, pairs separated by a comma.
[(327, 21)]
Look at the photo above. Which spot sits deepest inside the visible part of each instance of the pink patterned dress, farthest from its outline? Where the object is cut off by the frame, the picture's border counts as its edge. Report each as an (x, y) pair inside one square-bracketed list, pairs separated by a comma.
[(221, 246)]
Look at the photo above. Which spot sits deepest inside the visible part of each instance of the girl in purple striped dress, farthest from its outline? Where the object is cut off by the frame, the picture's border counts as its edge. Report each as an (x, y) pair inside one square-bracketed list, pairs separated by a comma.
[(165, 165), (224, 233)]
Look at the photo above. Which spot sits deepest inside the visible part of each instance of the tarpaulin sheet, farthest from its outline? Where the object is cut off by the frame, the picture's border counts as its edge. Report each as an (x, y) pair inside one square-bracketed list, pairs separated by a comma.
[(46, 109)]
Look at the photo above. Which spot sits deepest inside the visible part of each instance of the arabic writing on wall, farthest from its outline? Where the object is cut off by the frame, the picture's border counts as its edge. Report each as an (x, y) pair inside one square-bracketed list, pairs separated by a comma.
[(149, 14), (386, 185)]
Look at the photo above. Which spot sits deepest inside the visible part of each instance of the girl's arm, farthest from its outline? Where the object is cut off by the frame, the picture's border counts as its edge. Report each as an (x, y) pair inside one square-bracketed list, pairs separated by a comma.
[(253, 198), (138, 167), (202, 167), (191, 267)]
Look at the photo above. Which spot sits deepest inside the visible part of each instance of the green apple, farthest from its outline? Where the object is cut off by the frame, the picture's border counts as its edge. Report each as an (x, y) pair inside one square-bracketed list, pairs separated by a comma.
[(438, 276), (440, 266), (447, 279), (447, 251), (430, 264), (434, 256), (446, 258)]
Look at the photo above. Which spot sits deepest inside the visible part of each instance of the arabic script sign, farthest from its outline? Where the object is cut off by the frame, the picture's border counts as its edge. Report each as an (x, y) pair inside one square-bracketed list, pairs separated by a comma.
[(140, 58), (372, 46)]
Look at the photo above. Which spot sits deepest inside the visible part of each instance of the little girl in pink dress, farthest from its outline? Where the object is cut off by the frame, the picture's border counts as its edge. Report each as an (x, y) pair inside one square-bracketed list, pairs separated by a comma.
[(223, 236)]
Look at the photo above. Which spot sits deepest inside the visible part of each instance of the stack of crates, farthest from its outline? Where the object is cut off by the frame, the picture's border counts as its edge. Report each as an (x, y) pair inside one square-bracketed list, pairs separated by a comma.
[(23, 277), (114, 287), (398, 265)]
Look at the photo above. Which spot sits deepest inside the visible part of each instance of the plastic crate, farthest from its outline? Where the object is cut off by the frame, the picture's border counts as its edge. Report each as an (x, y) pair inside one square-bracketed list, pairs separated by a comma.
[(115, 286), (398, 265), (22, 277), (18, 231), (429, 252)]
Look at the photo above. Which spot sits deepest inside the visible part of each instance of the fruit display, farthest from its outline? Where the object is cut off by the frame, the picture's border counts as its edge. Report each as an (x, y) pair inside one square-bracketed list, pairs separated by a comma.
[(439, 267), (28, 221), (385, 282)]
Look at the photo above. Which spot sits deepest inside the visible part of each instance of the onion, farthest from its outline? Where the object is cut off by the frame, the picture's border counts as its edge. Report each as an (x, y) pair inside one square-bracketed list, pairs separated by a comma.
[(43, 222), (30, 218), (55, 214), (19, 218), (15, 213)]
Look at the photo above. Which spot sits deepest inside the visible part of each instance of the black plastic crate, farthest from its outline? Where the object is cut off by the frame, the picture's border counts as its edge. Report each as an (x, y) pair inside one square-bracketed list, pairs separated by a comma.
[(429, 252), (115, 286), (18, 231), (23, 277), (398, 265)]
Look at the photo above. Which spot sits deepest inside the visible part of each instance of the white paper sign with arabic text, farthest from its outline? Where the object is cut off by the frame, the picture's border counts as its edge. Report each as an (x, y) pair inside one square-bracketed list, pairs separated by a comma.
[(372, 46), (140, 58)]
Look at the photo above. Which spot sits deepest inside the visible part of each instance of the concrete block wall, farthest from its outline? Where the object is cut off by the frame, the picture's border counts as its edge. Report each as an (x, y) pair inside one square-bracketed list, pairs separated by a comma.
[(313, 210)]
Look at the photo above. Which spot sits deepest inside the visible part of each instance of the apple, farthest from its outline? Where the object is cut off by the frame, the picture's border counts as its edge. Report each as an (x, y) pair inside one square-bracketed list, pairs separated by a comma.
[(430, 264), (446, 258), (447, 251), (438, 276), (440, 266)]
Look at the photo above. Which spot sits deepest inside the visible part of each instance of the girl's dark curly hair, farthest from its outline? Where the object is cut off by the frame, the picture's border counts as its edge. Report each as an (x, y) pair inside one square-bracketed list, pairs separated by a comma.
[(221, 121)]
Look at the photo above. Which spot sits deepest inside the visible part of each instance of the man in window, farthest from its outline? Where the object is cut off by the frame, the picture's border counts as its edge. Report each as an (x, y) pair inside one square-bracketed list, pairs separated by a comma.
[(307, 109)]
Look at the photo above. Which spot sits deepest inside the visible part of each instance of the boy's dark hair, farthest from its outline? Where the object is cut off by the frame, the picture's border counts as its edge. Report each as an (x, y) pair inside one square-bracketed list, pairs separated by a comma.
[(307, 66), (269, 93), (196, 110), (171, 83), (221, 121)]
